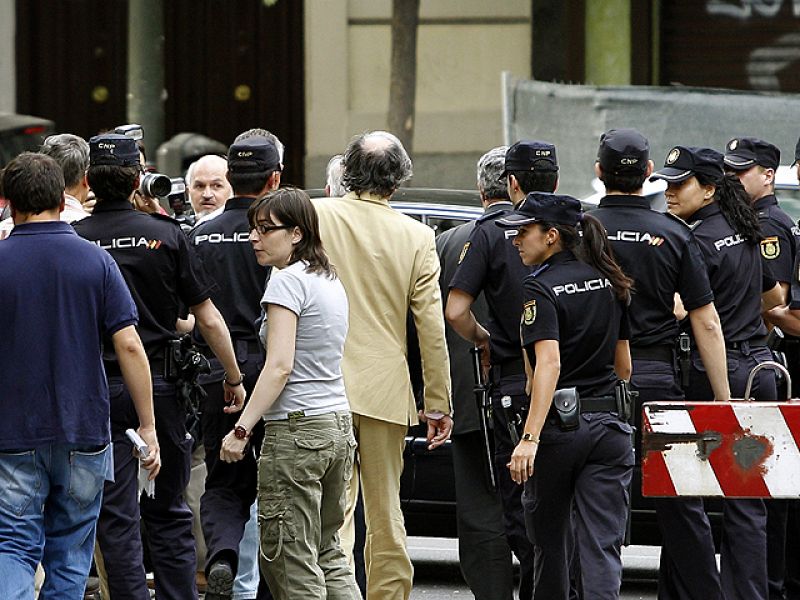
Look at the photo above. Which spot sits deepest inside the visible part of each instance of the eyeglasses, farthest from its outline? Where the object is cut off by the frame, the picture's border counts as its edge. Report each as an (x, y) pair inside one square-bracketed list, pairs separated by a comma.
[(265, 229)]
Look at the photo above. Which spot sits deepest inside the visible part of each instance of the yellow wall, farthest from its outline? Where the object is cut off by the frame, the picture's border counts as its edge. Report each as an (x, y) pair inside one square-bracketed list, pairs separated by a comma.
[(463, 47)]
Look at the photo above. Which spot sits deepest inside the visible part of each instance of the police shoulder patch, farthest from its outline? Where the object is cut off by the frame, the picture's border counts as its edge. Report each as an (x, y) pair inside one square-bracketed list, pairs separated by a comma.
[(770, 247), (529, 312), (463, 252)]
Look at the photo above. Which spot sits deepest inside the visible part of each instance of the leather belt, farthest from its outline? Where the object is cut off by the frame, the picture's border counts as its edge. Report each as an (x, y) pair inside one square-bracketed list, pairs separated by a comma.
[(659, 352), (508, 369), (599, 404), (751, 343)]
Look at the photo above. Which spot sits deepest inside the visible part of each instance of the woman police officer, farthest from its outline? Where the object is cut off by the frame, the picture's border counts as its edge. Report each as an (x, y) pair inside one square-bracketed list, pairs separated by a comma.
[(716, 207), (574, 332)]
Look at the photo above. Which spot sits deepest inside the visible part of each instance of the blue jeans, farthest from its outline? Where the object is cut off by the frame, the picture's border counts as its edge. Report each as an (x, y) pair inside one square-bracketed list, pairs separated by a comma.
[(245, 586), (49, 502)]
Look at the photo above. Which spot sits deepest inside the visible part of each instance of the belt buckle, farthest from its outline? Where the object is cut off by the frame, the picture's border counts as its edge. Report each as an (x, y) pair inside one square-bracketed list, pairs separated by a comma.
[(296, 414)]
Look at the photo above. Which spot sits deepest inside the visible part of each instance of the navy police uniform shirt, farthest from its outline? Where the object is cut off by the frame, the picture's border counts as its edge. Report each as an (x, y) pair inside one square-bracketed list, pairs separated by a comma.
[(223, 245), (781, 239), (571, 302), (794, 297), (735, 272), (659, 253), (490, 263), (161, 270)]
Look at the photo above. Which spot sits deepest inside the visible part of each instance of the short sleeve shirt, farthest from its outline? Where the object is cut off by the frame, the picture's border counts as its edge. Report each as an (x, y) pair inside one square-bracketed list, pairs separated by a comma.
[(491, 264), (735, 272), (315, 385), (779, 243), (155, 258), (59, 297), (223, 245), (571, 302), (662, 257)]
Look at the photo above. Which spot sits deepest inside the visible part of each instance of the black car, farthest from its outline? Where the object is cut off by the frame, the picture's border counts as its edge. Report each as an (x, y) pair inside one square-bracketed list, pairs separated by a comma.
[(427, 485), (18, 134)]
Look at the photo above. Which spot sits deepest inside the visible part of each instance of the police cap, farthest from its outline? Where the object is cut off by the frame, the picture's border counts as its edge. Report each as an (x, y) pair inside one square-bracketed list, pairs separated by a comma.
[(684, 161), (742, 153), (530, 155), (623, 152), (253, 155), (543, 207), (114, 150)]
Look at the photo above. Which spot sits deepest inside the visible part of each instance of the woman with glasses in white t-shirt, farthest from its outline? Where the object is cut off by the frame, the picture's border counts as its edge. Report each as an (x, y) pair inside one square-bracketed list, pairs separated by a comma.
[(307, 455)]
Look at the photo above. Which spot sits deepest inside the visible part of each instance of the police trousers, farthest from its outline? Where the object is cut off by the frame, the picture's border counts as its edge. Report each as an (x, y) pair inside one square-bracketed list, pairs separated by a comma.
[(685, 526), (230, 488), (576, 505), (510, 492), (166, 517), (483, 551)]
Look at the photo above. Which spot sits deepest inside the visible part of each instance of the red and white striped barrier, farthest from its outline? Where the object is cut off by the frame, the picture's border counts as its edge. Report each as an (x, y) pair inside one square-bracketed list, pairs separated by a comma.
[(725, 449)]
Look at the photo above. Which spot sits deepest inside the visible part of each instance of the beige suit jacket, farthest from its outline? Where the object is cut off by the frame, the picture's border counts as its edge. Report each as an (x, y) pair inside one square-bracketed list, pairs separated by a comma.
[(388, 264)]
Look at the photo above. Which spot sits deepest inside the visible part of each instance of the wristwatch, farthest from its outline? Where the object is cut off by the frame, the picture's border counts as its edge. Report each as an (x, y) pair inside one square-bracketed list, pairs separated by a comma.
[(233, 383), (529, 437), (240, 433)]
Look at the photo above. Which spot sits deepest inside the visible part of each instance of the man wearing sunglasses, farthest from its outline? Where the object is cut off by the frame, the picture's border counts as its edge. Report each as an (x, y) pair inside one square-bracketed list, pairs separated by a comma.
[(223, 244)]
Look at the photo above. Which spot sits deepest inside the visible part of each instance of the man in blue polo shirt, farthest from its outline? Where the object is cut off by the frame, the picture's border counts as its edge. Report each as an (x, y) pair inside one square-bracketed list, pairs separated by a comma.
[(60, 297)]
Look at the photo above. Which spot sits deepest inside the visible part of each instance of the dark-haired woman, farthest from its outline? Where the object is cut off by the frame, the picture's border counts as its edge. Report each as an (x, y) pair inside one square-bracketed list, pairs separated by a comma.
[(725, 226), (574, 333), (307, 454)]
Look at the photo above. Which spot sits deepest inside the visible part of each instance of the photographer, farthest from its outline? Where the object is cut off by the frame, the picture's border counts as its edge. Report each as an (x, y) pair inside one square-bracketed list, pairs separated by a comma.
[(162, 273)]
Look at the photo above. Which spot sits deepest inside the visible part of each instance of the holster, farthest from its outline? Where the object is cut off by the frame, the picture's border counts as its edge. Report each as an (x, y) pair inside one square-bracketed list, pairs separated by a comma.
[(567, 404), (624, 397)]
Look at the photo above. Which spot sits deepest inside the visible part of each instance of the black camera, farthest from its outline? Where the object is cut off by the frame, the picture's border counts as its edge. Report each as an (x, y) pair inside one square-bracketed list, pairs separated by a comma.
[(152, 185), (155, 185)]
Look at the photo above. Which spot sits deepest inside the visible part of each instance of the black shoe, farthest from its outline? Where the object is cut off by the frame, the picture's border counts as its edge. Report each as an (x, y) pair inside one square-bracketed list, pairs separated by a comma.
[(219, 583)]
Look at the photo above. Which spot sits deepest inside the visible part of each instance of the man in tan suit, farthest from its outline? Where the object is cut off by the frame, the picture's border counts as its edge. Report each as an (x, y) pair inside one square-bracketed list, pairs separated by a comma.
[(388, 265)]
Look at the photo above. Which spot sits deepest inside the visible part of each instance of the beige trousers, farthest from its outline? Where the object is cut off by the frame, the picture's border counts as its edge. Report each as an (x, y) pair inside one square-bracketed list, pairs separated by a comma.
[(378, 470)]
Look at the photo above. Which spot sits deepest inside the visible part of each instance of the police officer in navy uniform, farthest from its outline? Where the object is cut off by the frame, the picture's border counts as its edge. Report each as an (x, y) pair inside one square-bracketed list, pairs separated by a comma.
[(163, 275), (574, 329), (755, 162), (223, 244), (726, 228), (659, 252), (490, 264), (484, 553)]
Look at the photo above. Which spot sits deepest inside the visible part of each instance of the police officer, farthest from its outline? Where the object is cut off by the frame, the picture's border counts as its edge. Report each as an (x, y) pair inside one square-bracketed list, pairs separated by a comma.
[(575, 455), (755, 163), (490, 264), (484, 553), (163, 274), (659, 252), (223, 244), (726, 228)]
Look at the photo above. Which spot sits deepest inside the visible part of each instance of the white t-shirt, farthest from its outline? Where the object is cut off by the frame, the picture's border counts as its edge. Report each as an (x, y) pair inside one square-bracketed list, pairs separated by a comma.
[(315, 385)]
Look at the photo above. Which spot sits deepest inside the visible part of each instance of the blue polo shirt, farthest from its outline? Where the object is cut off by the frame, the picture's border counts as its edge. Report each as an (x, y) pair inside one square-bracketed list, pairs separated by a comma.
[(59, 295)]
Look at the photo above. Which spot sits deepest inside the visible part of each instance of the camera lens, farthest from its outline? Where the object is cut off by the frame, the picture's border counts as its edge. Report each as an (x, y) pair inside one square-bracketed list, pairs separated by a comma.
[(155, 185)]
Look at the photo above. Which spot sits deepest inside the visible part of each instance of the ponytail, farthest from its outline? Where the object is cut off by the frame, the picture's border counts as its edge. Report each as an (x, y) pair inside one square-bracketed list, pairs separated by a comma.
[(595, 250), (735, 206)]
